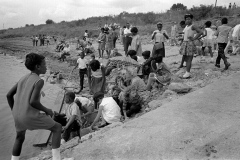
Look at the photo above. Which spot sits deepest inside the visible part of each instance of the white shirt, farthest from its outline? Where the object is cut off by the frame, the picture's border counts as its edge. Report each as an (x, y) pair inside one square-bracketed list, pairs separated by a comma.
[(82, 63), (111, 110), (66, 50), (85, 101), (71, 110), (127, 31), (236, 32), (159, 37), (188, 32), (210, 33)]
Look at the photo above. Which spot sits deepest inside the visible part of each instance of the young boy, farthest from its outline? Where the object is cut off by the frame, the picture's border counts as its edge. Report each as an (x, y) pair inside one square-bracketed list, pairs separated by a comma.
[(222, 40), (26, 106), (132, 102), (70, 118), (108, 109), (146, 67), (82, 65)]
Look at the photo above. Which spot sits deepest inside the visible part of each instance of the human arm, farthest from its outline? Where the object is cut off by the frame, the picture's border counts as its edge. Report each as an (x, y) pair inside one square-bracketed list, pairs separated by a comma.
[(97, 117), (70, 121), (10, 95), (199, 33), (75, 66), (154, 34), (165, 34), (204, 34), (89, 109), (34, 99)]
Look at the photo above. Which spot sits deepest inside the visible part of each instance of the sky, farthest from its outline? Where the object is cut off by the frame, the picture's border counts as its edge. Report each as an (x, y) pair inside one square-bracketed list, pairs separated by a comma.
[(18, 13)]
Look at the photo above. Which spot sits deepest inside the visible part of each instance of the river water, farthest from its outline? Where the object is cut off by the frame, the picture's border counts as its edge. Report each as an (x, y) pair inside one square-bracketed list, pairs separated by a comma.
[(11, 70)]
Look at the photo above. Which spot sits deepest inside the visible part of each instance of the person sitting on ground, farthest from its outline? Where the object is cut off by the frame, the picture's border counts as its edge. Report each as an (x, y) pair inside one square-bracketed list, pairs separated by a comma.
[(64, 53), (96, 77), (132, 102), (146, 66), (161, 74), (115, 53), (89, 48), (70, 118), (108, 109)]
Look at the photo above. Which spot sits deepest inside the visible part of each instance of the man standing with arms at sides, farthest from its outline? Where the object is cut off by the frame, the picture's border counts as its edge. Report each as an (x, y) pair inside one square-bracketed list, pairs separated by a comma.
[(128, 38)]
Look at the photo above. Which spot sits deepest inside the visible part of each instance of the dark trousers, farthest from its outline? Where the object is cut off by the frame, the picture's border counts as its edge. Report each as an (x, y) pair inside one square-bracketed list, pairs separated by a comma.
[(132, 109), (128, 42), (221, 55), (114, 42), (82, 72), (36, 43), (72, 128)]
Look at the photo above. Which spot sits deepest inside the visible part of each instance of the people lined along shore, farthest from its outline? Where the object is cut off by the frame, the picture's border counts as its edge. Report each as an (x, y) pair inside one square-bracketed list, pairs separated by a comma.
[(138, 73)]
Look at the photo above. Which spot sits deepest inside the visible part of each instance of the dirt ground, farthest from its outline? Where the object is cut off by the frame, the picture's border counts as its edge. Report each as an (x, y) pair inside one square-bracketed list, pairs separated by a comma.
[(203, 74)]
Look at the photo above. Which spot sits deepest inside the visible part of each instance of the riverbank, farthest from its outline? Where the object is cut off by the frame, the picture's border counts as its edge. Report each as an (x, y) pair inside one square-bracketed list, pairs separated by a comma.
[(203, 74)]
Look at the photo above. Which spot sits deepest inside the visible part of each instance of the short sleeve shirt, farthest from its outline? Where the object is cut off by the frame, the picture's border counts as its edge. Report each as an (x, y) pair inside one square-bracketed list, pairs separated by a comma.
[(159, 37), (71, 110), (82, 63)]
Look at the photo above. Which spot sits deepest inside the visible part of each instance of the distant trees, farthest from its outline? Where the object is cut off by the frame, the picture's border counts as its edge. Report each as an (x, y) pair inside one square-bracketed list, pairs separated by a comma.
[(149, 18), (178, 7), (49, 21), (27, 25), (31, 25)]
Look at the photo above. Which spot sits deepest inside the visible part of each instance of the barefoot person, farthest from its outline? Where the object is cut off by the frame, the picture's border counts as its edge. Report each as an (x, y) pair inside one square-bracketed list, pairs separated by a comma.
[(222, 40), (26, 107), (188, 48)]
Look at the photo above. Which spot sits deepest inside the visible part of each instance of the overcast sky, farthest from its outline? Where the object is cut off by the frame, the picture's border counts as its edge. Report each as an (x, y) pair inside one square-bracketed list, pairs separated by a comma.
[(17, 13)]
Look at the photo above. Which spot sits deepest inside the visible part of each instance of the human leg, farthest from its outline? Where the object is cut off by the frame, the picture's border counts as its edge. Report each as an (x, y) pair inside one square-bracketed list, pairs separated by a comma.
[(99, 52), (151, 80), (188, 66), (17, 147), (222, 46), (183, 59)]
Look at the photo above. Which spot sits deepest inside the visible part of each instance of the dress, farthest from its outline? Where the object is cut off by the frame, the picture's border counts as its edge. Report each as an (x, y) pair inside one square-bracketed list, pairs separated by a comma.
[(136, 42), (101, 41), (97, 81), (188, 47), (109, 41), (25, 116)]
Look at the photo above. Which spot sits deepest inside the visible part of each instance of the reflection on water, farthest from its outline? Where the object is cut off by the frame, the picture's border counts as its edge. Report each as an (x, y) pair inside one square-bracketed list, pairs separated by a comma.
[(11, 70)]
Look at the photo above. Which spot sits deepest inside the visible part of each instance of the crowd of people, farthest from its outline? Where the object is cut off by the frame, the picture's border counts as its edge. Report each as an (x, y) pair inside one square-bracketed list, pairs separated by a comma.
[(43, 39), (125, 98)]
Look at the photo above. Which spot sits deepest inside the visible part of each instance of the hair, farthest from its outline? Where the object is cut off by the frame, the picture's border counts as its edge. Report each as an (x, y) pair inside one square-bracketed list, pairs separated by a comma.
[(97, 96), (102, 29), (116, 88), (134, 30), (92, 55), (32, 60), (146, 54), (182, 23), (70, 95), (208, 24), (224, 20), (132, 52), (124, 27), (78, 103), (134, 57), (95, 65), (128, 91), (86, 30), (188, 16)]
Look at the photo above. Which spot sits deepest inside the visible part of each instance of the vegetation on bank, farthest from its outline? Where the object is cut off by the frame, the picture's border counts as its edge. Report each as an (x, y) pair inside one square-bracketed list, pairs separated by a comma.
[(144, 21)]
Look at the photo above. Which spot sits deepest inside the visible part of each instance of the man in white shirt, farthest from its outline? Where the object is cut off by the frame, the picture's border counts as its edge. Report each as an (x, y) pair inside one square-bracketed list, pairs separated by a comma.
[(128, 39), (82, 65)]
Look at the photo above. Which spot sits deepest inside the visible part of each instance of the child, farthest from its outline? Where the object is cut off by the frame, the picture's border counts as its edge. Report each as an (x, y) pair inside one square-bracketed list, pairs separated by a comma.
[(85, 105), (146, 67), (108, 109), (101, 43), (96, 76), (64, 53), (208, 40), (134, 57), (26, 106), (136, 42), (181, 37), (222, 39), (82, 65), (109, 42), (132, 102), (115, 53), (70, 119), (92, 57), (161, 74), (188, 47)]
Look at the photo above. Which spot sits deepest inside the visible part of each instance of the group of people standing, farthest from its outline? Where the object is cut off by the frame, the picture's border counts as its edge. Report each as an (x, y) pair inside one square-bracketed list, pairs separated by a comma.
[(43, 39)]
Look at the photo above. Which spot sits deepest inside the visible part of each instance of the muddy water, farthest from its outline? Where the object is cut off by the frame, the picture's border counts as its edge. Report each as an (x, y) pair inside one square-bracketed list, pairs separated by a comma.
[(11, 70)]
